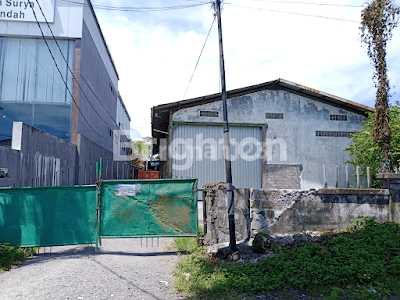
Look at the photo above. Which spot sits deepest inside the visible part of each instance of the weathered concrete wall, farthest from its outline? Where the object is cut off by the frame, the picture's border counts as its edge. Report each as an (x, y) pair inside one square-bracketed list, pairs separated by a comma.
[(292, 211), (392, 182), (217, 212), (282, 176), (293, 138), (295, 211)]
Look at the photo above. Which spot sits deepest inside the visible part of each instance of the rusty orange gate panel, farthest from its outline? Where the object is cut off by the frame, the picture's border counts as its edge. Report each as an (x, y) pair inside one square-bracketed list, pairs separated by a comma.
[(148, 208)]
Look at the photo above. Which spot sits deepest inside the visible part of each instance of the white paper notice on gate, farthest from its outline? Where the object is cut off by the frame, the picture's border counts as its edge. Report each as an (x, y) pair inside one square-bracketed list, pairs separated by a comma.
[(127, 189)]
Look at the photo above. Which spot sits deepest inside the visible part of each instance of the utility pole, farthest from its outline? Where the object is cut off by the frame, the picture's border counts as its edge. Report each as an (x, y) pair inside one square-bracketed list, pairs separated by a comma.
[(227, 146)]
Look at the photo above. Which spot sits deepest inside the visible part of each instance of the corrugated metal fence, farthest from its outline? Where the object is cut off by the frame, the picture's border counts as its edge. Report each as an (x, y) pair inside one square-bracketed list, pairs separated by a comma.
[(51, 174)]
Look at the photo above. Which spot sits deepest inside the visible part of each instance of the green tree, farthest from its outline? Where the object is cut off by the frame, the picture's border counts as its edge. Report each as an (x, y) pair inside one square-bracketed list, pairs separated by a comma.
[(144, 148), (365, 151), (377, 21)]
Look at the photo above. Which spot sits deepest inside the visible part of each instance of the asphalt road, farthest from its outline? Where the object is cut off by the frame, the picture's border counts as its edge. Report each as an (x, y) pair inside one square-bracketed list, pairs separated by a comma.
[(121, 269)]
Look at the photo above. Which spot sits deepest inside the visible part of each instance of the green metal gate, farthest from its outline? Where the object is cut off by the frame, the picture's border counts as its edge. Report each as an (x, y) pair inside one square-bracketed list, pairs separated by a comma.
[(137, 208), (51, 216)]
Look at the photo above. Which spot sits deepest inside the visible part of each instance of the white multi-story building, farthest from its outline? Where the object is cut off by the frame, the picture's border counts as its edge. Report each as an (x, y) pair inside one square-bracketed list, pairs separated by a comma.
[(33, 91)]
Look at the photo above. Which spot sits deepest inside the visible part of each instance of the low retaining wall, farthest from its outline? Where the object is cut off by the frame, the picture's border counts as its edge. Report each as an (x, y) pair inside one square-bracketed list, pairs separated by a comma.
[(283, 212), (217, 212)]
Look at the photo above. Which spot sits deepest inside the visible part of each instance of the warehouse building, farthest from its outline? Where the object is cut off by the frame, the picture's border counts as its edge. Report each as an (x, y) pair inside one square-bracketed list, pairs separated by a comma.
[(282, 133)]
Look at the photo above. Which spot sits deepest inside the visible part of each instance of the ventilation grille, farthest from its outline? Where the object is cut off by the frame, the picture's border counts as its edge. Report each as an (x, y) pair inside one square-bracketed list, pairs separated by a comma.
[(338, 117), (273, 115), (334, 133), (209, 113)]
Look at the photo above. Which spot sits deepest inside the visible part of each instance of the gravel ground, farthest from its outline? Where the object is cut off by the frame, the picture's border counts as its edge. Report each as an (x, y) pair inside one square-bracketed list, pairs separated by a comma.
[(121, 269)]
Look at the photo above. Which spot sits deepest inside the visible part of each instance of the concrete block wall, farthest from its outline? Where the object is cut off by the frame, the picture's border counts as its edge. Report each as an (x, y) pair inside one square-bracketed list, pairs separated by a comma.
[(283, 212), (282, 176), (392, 183)]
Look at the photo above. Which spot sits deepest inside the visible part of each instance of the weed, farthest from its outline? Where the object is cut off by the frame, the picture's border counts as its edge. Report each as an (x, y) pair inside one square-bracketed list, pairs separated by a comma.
[(188, 244), (259, 241), (201, 231), (362, 263), (334, 294), (9, 255)]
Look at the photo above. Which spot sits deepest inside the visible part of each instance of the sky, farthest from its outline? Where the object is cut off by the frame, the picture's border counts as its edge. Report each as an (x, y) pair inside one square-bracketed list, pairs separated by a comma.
[(156, 52)]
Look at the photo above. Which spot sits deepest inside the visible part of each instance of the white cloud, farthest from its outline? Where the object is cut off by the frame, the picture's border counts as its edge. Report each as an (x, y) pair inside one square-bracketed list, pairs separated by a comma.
[(155, 53)]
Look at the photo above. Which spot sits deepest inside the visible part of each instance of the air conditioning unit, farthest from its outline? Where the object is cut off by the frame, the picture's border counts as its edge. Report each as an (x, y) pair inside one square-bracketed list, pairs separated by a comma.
[(4, 173)]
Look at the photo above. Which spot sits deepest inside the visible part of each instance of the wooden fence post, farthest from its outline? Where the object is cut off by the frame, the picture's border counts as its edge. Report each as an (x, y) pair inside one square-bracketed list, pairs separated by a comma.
[(358, 176), (336, 177)]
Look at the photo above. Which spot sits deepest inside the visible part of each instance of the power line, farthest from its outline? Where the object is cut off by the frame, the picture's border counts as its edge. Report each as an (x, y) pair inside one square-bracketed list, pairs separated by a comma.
[(141, 8), (34, 56), (295, 13), (72, 73), (202, 49), (59, 71), (310, 3), (136, 9), (90, 88)]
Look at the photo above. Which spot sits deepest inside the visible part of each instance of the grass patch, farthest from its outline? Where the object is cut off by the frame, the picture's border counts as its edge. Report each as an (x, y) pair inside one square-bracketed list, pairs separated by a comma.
[(363, 263), (188, 244), (9, 255)]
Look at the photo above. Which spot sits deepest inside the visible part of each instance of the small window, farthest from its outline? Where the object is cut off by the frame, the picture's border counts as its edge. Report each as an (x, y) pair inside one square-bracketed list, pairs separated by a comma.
[(111, 88), (334, 133), (209, 113), (338, 117), (273, 115)]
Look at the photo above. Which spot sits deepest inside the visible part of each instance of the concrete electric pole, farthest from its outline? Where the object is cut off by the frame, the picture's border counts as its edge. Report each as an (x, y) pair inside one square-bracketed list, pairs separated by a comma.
[(227, 147)]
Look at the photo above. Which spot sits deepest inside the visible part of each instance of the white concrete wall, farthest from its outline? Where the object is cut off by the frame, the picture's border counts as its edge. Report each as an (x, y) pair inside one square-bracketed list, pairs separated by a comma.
[(291, 140)]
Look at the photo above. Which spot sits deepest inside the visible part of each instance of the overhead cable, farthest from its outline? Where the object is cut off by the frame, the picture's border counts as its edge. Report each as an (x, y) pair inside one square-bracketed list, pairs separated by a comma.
[(202, 49), (59, 71), (310, 3), (73, 75), (140, 8), (294, 13), (34, 57)]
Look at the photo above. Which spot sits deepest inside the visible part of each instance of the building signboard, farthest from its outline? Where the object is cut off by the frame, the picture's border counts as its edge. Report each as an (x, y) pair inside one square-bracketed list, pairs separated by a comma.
[(14, 10)]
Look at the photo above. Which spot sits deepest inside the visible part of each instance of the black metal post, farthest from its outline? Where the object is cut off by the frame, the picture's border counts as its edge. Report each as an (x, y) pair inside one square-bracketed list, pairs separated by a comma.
[(227, 148), (204, 213)]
